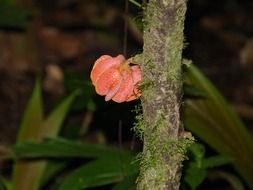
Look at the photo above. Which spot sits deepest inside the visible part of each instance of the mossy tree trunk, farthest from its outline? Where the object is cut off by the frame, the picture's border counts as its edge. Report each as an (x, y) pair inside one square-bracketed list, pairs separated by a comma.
[(165, 141)]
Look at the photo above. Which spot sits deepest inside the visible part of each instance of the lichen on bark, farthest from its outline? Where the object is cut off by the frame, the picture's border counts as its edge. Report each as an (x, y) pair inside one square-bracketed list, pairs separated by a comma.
[(164, 147)]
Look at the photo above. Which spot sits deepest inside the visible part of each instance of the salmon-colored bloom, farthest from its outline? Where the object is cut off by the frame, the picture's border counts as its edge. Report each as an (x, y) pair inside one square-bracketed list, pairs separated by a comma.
[(116, 79)]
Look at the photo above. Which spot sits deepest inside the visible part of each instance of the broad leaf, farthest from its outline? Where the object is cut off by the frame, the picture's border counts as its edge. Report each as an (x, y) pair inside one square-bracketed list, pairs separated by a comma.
[(192, 92), (33, 117), (30, 126), (197, 153), (52, 124), (128, 183), (5, 184), (33, 127), (194, 176), (233, 180), (216, 161), (214, 121), (53, 167), (74, 82), (63, 148), (99, 172)]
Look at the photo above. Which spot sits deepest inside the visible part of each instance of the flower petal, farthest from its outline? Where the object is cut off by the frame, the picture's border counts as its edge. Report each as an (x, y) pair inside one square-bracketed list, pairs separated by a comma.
[(136, 74), (104, 63), (136, 93), (113, 90), (110, 78), (125, 89)]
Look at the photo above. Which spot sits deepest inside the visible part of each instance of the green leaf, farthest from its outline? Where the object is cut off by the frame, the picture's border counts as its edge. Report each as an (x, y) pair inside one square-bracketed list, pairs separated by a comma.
[(197, 151), (196, 168), (194, 176), (216, 161), (214, 121), (136, 3), (35, 128), (33, 117), (98, 173), (76, 82), (128, 183), (233, 180), (52, 124), (4, 184), (30, 126), (192, 92), (53, 167), (63, 148)]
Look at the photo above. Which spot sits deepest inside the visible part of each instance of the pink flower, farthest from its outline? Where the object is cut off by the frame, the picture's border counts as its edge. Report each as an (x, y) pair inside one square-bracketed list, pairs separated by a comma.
[(116, 79)]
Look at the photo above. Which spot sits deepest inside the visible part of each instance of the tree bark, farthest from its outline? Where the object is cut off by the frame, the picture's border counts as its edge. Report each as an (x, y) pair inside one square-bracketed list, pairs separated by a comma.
[(165, 143)]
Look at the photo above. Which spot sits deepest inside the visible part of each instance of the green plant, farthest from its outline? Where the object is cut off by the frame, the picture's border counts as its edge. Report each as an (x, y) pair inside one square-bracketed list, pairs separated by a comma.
[(35, 127), (44, 158), (215, 122), (196, 169), (39, 156)]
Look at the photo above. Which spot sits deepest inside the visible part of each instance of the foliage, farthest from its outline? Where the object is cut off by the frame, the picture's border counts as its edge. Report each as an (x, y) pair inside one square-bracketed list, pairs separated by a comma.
[(42, 157), (110, 165), (35, 127), (214, 121), (47, 160), (105, 165), (76, 82), (196, 169)]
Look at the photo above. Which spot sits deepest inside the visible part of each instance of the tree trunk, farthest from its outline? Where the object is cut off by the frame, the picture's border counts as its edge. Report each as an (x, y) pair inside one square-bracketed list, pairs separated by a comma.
[(165, 142)]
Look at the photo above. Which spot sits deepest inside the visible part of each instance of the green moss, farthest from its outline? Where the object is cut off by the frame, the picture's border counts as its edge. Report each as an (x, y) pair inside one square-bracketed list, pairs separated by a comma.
[(138, 126), (161, 61), (155, 154)]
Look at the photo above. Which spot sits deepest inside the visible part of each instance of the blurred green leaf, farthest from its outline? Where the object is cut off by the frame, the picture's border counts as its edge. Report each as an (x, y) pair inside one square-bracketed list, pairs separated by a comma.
[(34, 127), (12, 15), (214, 121), (234, 181), (192, 92), (3, 184), (29, 129), (216, 161), (136, 3), (99, 172), (197, 167), (197, 152), (63, 148), (53, 167), (33, 116), (128, 183), (194, 176), (52, 124), (91, 105), (77, 82)]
